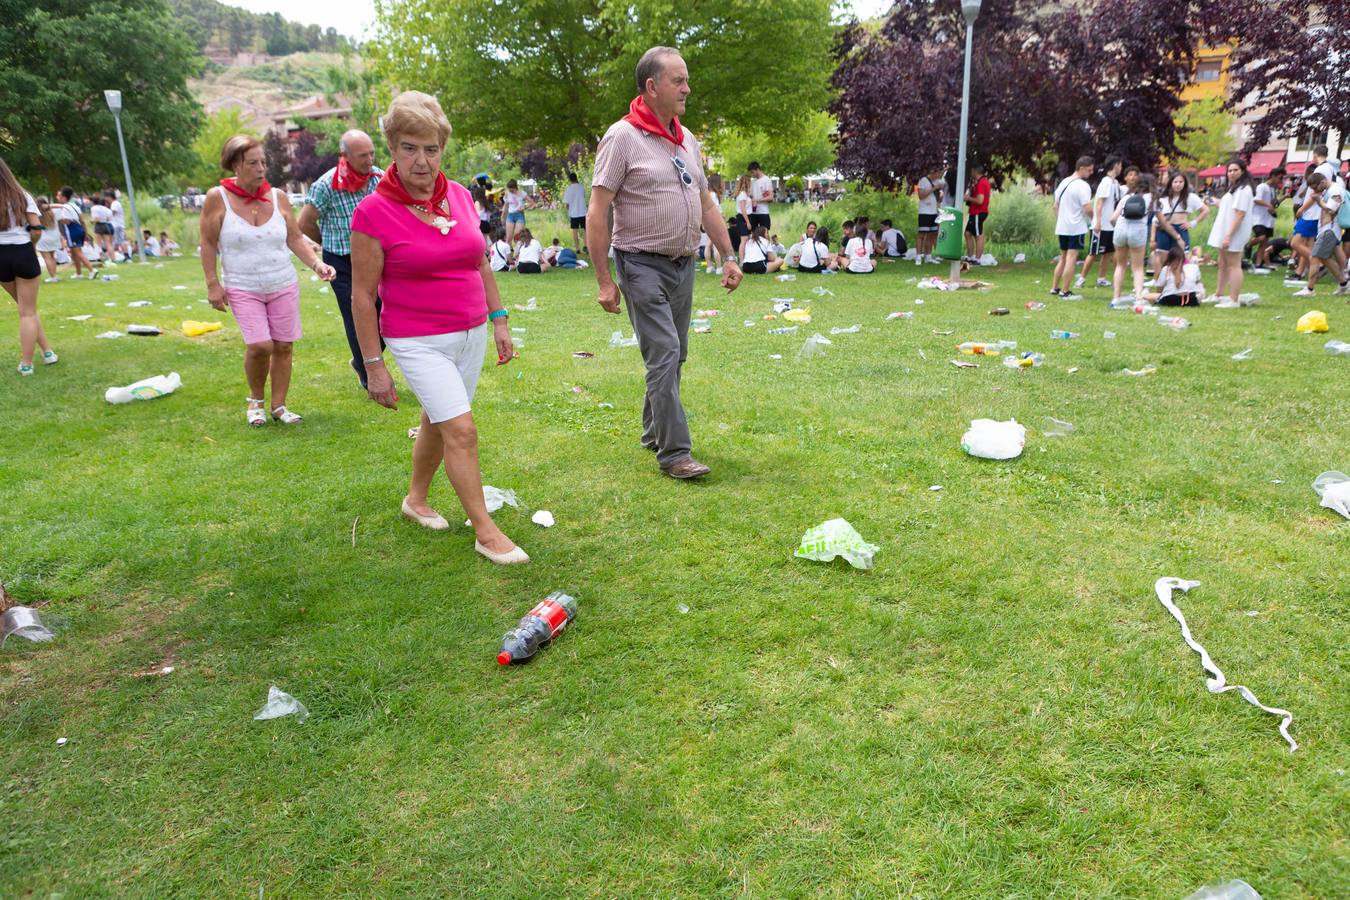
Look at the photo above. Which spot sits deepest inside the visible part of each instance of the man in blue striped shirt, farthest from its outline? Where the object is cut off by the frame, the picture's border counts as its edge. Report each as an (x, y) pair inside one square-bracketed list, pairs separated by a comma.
[(327, 219)]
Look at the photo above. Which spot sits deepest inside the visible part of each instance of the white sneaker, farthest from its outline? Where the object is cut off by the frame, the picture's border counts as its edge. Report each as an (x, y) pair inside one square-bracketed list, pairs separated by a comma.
[(1151, 283), (1306, 292), (1078, 282), (1102, 282), (1295, 282), (931, 260), (1229, 303), (1260, 270), (717, 271), (1071, 296), (52, 280)]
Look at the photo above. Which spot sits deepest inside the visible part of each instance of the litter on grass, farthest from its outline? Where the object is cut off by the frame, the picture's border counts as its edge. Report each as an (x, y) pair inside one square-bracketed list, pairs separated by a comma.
[(836, 538), (1146, 370), (109, 335), (279, 703), (800, 316), (1024, 360), (1216, 683), (1237, 889), (899, 315), (583, 354), (1314, 320), (788, 277), (136, 303), (528, 306), (813, 346), (193, 328), (144, 330), (964, 364), (1337, 348), (24, 622), (1245, 354), (145, 389), (1053, 427), (821, 291), (84, 318), (496, 498), (988, 439), (852, 329), (782, 304), (543, 517), (618, 340), (1334, 489), (786, 329)]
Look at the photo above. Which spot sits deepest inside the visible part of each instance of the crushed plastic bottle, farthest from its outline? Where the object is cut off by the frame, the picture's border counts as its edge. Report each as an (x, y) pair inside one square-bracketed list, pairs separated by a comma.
[(1244, 355), (1056, 427), (786, 329), (1024, 360), (1176, 323), (538, 628), (1060, 334), (1035, 305), (782, 304), (903, 314), (1237, 889), (788, 277), (1108, 335), (852, 329), (1146, 370), (985, 348)]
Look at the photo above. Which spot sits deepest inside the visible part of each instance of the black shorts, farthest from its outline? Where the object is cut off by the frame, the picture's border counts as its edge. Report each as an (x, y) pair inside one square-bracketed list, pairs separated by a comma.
[(578, 221), (1103, 242), (927, 222), (1261, 231), (1070, 241), (755, 268), (975, 224), (816, 270), (758, 219), (1177, 300), (528, 268), (18, 261), (103, 228)]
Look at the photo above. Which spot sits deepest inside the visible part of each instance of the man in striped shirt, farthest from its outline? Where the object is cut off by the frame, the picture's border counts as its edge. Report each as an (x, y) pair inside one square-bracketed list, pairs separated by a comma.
[(648, 168), (326, 219)]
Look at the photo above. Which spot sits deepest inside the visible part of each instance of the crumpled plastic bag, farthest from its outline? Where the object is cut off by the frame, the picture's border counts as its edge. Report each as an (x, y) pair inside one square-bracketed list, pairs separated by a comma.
[(988, 439), (145, 389), (800, 316), (1337, 348), (618, 340), (1334, 489), (279, 703), (495, 498), (836, 538), (24, 622), (1314, 320)]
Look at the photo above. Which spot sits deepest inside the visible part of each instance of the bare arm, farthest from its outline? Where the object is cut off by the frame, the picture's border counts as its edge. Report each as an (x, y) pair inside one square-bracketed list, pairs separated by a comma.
[(301, 247), (213, 214), (367, 266), (501, 334), (719, 238), (309, 223), (597, 239)]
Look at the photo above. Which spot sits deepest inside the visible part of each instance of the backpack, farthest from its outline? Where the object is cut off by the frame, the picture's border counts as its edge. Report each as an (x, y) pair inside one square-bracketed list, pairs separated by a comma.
[(1343, 217), (1135, 208)]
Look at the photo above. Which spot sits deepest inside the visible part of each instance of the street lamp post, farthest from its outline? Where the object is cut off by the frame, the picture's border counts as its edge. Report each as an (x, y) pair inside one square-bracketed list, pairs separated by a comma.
[(114, 99), (970, 9)]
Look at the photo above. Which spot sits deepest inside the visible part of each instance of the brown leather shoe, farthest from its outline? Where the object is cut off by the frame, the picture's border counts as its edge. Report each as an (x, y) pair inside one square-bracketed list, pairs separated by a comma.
[(687, 468)]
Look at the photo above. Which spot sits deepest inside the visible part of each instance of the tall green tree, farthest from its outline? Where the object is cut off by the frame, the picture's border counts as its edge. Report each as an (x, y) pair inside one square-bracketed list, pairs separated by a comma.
[(804, 150), (1204, 133), (560, 71), (218, 128), (56, 59)]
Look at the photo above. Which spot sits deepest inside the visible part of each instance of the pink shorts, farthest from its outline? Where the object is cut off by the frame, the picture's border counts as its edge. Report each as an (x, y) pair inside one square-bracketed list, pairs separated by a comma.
[(271, 316)]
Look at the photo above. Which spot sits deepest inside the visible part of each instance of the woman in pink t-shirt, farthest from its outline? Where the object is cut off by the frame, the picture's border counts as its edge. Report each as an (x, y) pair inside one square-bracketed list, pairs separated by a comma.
[(415, 241)]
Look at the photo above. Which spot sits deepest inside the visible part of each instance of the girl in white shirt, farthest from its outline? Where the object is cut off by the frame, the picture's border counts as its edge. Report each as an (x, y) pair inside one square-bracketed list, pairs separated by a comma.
[(50, 243), (513, 205), (499, 252), (858, 253), (744, 206), (1232, 229), (1178, 281), (759, 256), (814, 253), (529, 255), (19, 268)]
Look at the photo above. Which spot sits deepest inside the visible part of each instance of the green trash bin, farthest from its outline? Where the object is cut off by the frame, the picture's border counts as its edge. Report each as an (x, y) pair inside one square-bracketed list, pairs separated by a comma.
[(951, 242)]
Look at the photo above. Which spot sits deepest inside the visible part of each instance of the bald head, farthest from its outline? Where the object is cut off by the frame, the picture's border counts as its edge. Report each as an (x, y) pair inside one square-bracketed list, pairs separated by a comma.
[(359, 149)]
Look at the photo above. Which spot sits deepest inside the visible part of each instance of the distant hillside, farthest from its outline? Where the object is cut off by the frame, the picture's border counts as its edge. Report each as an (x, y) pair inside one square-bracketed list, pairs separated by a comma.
[(262, 89), (223, 32)]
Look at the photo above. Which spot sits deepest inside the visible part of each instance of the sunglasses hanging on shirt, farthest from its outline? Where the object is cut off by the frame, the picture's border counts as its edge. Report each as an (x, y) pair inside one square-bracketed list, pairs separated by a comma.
[(683, 170)]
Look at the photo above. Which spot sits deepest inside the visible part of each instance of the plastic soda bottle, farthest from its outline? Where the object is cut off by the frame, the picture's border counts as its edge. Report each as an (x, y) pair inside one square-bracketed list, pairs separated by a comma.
[(538, 627), (1061, 335)]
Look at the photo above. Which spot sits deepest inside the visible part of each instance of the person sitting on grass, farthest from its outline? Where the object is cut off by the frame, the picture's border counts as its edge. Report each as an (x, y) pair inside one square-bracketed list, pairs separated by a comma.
[(1178, 281), (529, 255), (551, 253), (499, 252), (813, 254), (167, 245), (759, 256), (857, 258)]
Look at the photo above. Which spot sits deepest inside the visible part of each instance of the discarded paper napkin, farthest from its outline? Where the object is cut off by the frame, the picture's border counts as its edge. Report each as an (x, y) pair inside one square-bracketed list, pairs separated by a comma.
[(988, 439)]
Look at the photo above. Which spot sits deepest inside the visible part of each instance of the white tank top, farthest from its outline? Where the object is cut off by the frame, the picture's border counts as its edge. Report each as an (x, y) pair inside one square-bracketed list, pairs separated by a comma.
[(255, 257)]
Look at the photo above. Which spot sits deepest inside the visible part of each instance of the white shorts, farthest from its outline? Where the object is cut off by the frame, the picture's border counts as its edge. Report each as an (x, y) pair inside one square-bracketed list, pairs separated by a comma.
[(442, 369), (1132, 234)]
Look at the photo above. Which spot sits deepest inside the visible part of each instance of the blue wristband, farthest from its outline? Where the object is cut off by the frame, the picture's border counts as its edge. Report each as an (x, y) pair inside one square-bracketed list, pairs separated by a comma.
[(497, 314)]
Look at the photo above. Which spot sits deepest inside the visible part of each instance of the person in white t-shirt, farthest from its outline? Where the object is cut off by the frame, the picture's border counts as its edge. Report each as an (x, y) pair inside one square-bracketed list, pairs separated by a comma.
[(574, 198), (857, 258), (812, 254), (513, 204), (1103, 245), (745, 209), (892, 240), (1265, 204), (20, 272), (929, 189), (70, 219), (119, 223), (1326, 197), (1178, 281), (1131, 232), (1174, 215), (529, 255), (101, 217), (499, 251), (1232, 228), (761, 192), (759, 256), (49, 244), (1073, 206), (167, 245)]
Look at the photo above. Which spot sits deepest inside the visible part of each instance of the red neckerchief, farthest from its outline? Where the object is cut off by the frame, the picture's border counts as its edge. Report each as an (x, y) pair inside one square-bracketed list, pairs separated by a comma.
[(347, 179), (640, 116), (263, 194), (392, 187)]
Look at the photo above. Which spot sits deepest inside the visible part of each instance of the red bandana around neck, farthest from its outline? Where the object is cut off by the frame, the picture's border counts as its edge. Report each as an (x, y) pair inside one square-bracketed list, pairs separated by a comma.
[(263, 194), (640, 116), (347, 179), (391, 186)]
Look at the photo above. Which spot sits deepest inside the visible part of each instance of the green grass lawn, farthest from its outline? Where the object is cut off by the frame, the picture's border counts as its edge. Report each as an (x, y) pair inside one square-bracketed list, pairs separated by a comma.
[(1000, 708)]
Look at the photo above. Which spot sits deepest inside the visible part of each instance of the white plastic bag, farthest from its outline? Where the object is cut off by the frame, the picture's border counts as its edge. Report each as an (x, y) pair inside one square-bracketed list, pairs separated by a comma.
[(1334, 489), (836, 538), (988, 439), (146, 389), (279, 703), (495, 498)]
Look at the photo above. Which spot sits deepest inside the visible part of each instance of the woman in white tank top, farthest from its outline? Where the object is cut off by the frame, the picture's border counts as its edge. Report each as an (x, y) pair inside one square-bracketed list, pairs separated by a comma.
[(248, 223)]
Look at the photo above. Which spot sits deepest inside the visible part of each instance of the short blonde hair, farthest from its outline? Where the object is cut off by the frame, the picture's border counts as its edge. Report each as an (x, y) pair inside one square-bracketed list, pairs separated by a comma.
[(414, 112), (235, 148)]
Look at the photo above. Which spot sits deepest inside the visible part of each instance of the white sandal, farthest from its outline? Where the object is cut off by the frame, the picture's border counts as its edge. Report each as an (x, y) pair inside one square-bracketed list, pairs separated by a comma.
[(285, 416), (256, 417)]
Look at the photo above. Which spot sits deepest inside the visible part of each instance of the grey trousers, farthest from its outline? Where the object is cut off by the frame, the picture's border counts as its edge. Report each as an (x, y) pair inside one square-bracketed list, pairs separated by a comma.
[(660, 295)]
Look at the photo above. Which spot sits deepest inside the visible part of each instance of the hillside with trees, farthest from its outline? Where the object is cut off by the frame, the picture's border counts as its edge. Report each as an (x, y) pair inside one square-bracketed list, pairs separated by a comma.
[(214, 26)]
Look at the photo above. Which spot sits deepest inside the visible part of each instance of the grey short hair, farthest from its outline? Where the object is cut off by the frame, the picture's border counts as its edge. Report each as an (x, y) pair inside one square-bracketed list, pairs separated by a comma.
[(651, 65)]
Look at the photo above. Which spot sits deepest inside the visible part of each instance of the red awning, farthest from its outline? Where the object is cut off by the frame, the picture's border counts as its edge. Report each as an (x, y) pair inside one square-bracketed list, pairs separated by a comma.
[(1213, 172), (1265, 160)]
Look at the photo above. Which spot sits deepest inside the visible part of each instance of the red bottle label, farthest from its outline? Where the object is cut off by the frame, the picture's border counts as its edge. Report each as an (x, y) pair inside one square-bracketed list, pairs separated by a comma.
[(552, 613)]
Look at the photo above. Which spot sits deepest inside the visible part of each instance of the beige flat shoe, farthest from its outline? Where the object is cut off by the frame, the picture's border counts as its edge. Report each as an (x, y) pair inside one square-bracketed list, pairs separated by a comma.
[(510, 557), (435, 522)]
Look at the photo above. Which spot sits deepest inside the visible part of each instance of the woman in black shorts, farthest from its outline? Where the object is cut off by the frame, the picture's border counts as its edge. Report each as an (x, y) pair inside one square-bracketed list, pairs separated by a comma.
[(20, 228)]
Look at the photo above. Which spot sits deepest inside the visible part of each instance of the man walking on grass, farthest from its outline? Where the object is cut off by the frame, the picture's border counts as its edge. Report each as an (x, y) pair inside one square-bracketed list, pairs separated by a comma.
[(1103, 244), (648, 168), (1073, 205), (326, 219)]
